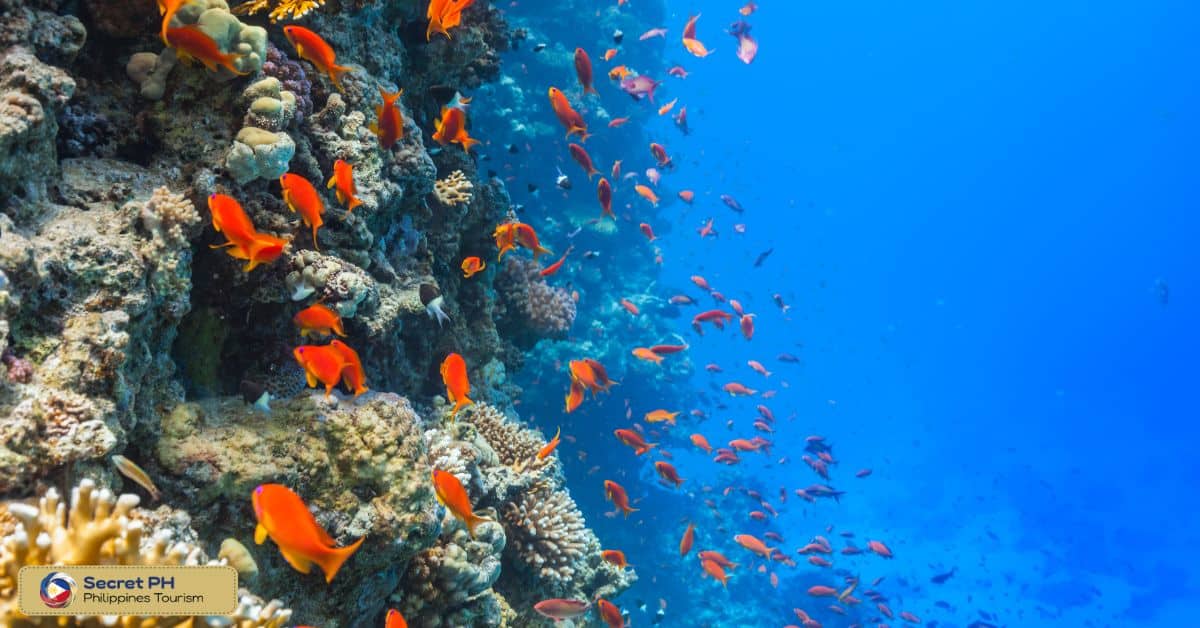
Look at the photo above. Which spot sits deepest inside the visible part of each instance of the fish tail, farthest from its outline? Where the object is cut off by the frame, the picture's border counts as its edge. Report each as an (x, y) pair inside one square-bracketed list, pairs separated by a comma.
[(353, 202), (540, 250), (335, 75), (227, 63), (332, 561), (473, 521), (467, 142), (435, 26), (627, 510), (591, 89)]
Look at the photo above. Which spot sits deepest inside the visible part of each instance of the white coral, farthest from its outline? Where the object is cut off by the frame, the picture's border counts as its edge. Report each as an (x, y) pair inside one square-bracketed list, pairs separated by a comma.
[(454, 189)]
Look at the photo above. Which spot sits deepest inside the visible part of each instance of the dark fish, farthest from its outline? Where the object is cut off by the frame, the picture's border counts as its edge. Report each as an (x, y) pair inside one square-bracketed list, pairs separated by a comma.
[(1163, 290), (787, 357), (514, 149), (618, 36), (442, 93), (492, 174), (981, 624), (943, 577), (532, 187), (732, 203), (762, 257), (256, 395), (539, 47), (942, 604)]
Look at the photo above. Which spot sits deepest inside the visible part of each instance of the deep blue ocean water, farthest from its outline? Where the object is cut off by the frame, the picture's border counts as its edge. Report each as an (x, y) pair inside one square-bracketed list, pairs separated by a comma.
[(984, 219)]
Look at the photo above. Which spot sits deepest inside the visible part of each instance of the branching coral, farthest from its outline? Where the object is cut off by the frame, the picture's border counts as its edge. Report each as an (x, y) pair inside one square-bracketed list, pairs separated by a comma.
[(450, 583), (296, 9), (548, 533), (515, 445), (454, 189), (99, 528), (169, 218)]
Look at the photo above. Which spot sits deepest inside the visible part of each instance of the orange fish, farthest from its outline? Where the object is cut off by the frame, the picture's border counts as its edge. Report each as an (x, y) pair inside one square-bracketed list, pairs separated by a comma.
[(660, 416), (574, 396), (168, 9), (630, 307), (395, 619), (282, 515), (610, 613), (668, 473), (567, 115), (549, 448), (616, 170), (192, 43), (647, 231), (879, 548), (616, 494), (454, 375), (602, 379), (687, 196), (632, 439), (318, 319), (320, 364), (748, 8), (230, 219), (352, 374), (615, 558), (301, 197), (665, 109), (311, 48), (581, 157), (453, 128), (642, 353), (714, 569), (618, 73), (604, 195), (689, 537), (646, 193), (583, 373), (718, 558), (389, 122), (583, 70), (444, 15), (617, 122), (690, 42), (554, 268), (472, 265), (453, 495), (343, 182), (510, 234), (610, 53), (699, 441), (752, 543)]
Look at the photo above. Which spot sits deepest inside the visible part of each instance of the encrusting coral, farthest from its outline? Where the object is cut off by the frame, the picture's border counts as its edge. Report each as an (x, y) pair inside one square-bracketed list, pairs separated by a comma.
[(100, 528), (546, 310), (454, 189)]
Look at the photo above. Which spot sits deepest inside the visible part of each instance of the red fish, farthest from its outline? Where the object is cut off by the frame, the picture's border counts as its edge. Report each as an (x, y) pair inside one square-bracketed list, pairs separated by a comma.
[(879, 548), (668, 349), (699, 441), (452, 127), (320, 364), (678, 71), (714, 569), (668, 473), (687, 196), (567, 115), (647, 231), (560, 609), (191, 42), (312, 48), (616, 494), (634, 440), (242, 240), (701, 283), (389, 123), (640, 87), (444, 15), (284, 517), (617, 122), (581, 157), (553, 268), (615, 558), (583, 70), (394, 619), (689, 537), (353, 375), (318, 319), (610, 613), (630, 307), (454, 376), (574, 397), (604, 195), (747, 325)]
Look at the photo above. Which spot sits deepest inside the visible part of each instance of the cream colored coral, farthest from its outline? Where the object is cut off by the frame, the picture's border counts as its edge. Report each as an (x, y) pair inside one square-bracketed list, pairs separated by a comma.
[(516, 446), (168, 217), (295, 8), (102, 529), (454, 189), (549, 534)]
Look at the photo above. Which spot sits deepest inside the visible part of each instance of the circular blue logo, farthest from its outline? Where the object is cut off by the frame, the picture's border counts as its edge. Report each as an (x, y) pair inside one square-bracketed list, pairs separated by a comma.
[(57, 590)]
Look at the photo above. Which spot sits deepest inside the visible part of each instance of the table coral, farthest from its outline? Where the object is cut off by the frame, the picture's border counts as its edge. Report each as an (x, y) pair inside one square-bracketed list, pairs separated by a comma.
[(100, 528)]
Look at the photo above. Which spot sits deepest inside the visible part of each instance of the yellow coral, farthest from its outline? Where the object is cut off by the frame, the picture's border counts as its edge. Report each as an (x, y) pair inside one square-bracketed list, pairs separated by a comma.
[(296, 8), (100, 528), (454, 189)]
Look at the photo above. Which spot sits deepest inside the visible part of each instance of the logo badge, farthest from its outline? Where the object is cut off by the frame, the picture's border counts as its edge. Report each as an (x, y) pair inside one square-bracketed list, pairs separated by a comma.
[(57, 590)]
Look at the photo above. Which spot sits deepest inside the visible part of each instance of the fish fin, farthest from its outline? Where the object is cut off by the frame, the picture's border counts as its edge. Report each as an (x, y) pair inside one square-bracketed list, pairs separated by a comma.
[(331, 182), (467, 142), (473, 521), (260, 534), (540, 250), (435, 26), (374, 128), (311, 379), (333, 560), (335, 75), (299, 563), (315, 245)]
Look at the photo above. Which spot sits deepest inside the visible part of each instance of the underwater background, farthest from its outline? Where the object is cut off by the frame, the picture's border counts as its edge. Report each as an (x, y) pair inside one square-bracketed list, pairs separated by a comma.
[(961, 239)]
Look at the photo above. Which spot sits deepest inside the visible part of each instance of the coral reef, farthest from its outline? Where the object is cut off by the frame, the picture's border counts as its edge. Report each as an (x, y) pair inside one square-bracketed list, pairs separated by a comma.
[(453, 190), (543, 310), (99, 528)]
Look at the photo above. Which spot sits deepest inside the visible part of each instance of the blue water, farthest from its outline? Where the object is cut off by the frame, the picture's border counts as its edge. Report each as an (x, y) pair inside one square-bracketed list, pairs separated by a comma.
[(984, 219)]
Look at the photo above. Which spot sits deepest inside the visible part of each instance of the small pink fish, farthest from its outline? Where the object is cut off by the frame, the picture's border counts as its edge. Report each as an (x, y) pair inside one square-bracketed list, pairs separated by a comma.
[(652, 33), (653, 175), (747, 47), (640, 87)]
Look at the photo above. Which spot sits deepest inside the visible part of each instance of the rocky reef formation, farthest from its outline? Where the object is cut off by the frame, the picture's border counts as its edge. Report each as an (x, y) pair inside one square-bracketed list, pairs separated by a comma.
[(122, 331)]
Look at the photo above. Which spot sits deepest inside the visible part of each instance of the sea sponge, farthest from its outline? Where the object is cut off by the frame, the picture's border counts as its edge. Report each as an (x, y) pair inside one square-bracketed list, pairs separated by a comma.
[(214, 18), (271, 107), (454, 189), (259, 154), (100, 528), (150, 72)]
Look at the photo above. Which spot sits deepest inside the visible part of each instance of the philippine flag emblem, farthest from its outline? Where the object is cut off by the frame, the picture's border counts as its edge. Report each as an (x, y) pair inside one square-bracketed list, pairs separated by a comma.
[(58, 589)]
